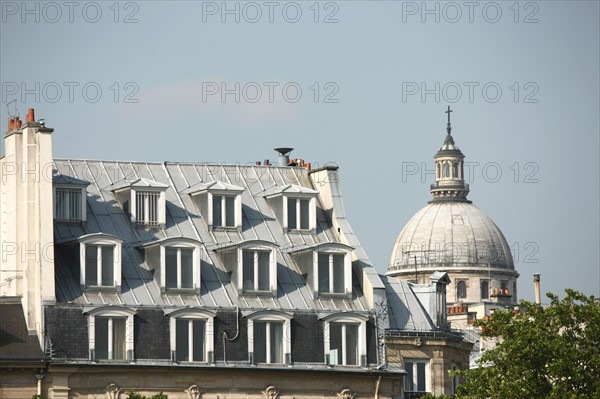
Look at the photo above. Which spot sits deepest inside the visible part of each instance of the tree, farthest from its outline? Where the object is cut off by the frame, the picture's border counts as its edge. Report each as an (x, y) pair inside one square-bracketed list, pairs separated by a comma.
[(548, 352)]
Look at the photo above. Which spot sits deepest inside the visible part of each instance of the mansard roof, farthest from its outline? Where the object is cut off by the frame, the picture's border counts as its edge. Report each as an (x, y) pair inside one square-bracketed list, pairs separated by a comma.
[(139, 287)]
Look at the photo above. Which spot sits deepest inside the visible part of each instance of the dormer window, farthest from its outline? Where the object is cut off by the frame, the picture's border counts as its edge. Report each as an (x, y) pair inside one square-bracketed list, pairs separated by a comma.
[(144, 200), (69, 198), (269, 339), (110, 331), (295, 207), (192, 335), (345, 339), (220, 204), (100, 261), (328, 267), (177, 263), (253, 265)]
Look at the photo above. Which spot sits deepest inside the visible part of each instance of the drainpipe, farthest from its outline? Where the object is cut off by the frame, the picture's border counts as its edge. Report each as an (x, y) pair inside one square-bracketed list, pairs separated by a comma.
[(39, 376), (377, 387), (536, 286)]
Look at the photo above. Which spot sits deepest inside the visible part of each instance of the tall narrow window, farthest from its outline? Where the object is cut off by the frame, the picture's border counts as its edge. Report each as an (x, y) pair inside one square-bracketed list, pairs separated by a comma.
[(485, 289), (415, 381), (454, 170), (146, 207), (67, 205), (179, 267), (461, 289), (190, 340), (268, 342), (223, 208), (99, 265), (343, 343), (298, 211), (255, 270), (109, 335), (446, 170), (331, 273)]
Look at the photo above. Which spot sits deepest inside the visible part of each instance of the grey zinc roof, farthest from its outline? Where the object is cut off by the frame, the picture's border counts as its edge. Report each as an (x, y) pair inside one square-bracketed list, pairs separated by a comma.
[(104, 214), (405, 312)]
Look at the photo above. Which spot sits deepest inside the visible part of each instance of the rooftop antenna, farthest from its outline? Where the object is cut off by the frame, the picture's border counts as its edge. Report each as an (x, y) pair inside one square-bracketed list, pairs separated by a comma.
[(8, 108)]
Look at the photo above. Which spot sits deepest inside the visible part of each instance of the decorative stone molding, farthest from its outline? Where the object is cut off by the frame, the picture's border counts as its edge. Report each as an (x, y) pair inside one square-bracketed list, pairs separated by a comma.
[(193, 392), (270, 392), (112, 391), (346, 394)]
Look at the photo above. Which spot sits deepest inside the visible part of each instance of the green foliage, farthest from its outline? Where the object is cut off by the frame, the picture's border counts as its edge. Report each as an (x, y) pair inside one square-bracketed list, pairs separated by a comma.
[(542, 353), (430, 396), (131, 394), (36, 396)]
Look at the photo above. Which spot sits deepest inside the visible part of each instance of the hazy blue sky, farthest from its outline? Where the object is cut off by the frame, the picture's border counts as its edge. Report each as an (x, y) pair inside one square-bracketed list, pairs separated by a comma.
[(363, 84)]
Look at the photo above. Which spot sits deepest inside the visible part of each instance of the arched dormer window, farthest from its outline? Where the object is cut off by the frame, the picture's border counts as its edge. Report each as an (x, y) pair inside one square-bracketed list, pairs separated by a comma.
[(178, 261), (328, 267), (345, 339), (110, 330), (253, 264), (269, 338), (100, 261), (191, 335)]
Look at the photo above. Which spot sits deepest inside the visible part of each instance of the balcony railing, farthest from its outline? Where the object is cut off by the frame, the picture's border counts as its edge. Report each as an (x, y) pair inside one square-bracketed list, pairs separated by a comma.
[(414, 395)]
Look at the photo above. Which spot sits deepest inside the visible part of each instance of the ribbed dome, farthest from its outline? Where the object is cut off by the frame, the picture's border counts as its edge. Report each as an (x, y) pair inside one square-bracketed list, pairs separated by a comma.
[(450, 236)]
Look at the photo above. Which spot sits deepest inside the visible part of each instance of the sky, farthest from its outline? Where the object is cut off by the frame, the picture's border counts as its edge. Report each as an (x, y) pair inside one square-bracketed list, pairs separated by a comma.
[(360, 84)]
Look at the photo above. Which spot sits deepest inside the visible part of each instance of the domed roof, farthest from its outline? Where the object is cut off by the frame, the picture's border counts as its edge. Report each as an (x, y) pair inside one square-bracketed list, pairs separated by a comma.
[(450, 235)]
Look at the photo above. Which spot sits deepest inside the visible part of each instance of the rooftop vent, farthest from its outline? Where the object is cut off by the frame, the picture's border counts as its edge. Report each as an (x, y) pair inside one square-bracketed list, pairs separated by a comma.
[(284, 155)]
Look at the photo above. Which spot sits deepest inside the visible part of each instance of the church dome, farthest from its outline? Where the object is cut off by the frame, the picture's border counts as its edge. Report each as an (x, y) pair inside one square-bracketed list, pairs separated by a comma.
[(450, 235)]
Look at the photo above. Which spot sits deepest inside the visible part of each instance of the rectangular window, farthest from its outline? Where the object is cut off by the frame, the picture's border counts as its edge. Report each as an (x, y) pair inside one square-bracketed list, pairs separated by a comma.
[(343, 344), (99, 265), (109, 335), (331, 273), (146, 207), (223, 210), (256, 270), (298, 213), (415, 381), (268, 342), (190, 340), (68, 204), (179, 267)]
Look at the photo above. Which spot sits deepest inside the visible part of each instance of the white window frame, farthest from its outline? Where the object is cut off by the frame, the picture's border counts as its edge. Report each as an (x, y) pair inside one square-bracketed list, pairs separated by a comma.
[(271, 317), (82, 206), (111, 313), (160, 205), (415, 374), (179, 243), (237, 212), (193, 315), (100, 239), (255, 247), (344, 319), (312, 212), (347, 270)]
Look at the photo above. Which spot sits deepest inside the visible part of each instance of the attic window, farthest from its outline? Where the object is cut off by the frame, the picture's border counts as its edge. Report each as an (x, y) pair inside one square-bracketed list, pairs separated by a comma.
[(146, 207), (345, 339), (110, 331), (69, 198), (295, 206), (219, 203), (253, 265), (192, 335), (143, 199), (100, 260), (269, 339)]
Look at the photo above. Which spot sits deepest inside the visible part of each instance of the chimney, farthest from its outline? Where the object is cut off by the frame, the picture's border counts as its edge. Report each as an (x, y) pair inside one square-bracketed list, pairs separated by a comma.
[(30, 116), (284, 155), (536, 286)]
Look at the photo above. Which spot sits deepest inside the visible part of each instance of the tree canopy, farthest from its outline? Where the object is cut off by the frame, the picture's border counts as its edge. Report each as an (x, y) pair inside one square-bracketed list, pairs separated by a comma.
[(550, 352)]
